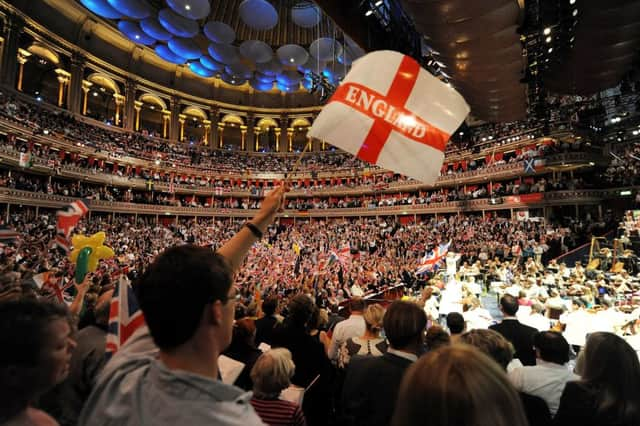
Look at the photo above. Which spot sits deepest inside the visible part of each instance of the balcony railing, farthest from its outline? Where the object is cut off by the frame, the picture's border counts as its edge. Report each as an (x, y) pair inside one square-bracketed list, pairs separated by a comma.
[(595, 196)]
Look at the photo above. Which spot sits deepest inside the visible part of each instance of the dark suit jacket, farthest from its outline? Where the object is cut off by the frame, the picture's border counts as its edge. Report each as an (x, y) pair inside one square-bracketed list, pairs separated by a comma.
[(264, 329), (521, 336), (578, 407), (371, 388)]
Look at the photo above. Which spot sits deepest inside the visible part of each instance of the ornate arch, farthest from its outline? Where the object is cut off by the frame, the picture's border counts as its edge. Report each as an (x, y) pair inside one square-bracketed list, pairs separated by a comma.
[(104, 80), (195, 111), (153, 100)]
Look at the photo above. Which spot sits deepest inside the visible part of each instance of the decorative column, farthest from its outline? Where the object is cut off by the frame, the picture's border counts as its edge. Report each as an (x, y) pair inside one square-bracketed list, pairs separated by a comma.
[(11, 35), (220, 134), (137, 105), (251, 120), (166, 118), (290, 139), (214, 114), (63, 80), (207, 132), (243, 137), (255, 146), (181, 119), (131, 115), (174, 128), (86, 86), (23, 57), (277, 131), (119, 103), (78, 62)]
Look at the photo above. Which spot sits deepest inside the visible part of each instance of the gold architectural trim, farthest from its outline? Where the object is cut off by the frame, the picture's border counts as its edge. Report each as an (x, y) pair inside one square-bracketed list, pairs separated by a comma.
[(39, 32)]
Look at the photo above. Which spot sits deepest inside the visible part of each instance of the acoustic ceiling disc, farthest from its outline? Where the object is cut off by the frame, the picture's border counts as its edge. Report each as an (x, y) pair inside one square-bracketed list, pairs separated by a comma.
[(191, 9), (258, 14), (219, 32)]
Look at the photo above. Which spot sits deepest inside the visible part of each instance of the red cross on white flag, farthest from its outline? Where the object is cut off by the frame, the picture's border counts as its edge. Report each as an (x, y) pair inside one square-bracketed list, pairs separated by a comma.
[(390, 112)]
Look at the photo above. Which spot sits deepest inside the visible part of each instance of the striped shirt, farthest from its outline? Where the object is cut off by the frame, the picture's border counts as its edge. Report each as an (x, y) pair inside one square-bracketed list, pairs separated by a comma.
[(277, 412)]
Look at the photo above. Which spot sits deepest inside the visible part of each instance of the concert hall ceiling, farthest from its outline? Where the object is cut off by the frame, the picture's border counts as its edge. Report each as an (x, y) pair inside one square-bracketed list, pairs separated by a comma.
[(478, 43)]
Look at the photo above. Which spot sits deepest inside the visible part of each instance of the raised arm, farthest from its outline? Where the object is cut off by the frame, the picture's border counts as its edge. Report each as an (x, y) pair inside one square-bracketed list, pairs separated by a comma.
[(237, 247)]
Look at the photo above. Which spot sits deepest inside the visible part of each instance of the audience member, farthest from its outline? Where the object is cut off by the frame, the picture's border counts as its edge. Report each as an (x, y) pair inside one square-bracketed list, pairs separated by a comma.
[(372, 383), (521, 336)]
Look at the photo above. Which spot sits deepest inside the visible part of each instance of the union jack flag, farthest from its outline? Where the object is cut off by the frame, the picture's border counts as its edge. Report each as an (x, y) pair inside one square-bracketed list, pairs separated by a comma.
[(67, 219), (125, 316), (431, 260)]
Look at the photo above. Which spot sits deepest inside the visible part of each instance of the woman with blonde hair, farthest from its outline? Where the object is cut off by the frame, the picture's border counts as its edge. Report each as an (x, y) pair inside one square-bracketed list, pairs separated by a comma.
[(457, 385), (368, 344), (271, 374)]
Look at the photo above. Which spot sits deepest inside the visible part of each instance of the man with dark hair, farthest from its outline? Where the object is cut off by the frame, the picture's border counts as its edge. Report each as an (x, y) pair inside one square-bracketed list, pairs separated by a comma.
[(520, 335), (548, 378), (372, 383), (188, 301), (265, 325), (456, 325), (354, 326)]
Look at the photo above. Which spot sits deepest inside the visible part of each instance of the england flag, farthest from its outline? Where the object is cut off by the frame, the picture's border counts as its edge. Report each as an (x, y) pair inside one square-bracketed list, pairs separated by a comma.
[(390, 112)]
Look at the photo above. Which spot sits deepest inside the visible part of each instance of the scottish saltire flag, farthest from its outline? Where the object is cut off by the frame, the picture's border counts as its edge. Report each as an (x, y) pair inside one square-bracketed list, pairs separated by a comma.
[(67, 219), (529, 165), (125, 316), (399, 117)]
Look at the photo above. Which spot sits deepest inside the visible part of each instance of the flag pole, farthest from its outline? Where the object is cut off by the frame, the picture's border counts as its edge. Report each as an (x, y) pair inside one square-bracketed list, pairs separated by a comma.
[(287, 178)]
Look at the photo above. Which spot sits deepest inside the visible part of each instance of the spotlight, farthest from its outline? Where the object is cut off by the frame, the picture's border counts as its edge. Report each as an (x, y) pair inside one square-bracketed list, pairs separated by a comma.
[(572, 1), (368, 12), (187, 7), (547, 31), (548, 39), (575, 12), (550, 50), (379, 2)]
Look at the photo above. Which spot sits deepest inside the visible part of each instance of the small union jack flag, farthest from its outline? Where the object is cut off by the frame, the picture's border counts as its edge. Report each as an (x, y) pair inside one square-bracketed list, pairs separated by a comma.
[(125, 316)]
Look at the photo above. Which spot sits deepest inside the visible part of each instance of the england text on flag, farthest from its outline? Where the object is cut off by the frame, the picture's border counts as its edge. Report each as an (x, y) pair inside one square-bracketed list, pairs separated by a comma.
[(125, 316), (399, 117)]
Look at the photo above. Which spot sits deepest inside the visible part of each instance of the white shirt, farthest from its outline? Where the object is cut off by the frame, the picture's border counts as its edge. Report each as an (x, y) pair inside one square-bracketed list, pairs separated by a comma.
[(354, 326), (545, 380), (537, 321)]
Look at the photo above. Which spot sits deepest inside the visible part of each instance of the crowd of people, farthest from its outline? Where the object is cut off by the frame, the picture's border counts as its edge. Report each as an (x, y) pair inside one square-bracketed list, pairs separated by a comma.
[(265, 322), (268, 297)]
